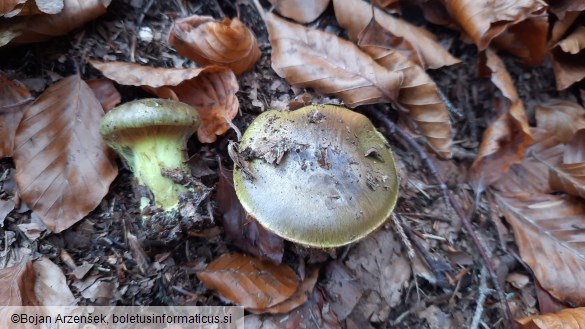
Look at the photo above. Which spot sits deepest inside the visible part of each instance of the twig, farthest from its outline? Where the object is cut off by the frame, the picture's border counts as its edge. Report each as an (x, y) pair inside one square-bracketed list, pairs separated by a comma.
[(484, 291), (410, 143), (405, 240), (450, 107)]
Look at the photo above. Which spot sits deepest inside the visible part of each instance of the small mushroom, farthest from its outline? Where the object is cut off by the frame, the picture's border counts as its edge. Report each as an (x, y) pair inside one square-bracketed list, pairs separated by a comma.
[(320, 176), (151, 135)]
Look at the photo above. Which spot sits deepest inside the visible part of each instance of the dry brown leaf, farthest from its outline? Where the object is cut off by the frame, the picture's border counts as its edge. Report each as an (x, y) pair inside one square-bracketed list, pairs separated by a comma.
[(568, 59), (302, 11), (505, 140), (12, 98), (390, 6), (549, 234), (12, 94), (568, 68), (563, 7), (105, 92), (17, 285), (38, 28), (570, 318), (35, 7), (6, 6), (245, 233), (300, 296), (307, 57), (211, 90), (209, 42), (63, 168), (574, 42), (532, 175), (561, 26), (569, 175), (249, 282), (561, 118), (419, 96), (354, 16), (50, 285), (483, 20), (526, 40)]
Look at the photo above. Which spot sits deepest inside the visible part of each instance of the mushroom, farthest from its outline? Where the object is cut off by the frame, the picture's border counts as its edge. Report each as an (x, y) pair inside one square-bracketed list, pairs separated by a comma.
[(151, 135), (321, 176)]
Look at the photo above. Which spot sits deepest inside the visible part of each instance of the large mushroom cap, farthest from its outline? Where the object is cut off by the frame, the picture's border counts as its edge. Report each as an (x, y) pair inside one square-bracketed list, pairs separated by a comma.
[(320, 176), (150, 112)]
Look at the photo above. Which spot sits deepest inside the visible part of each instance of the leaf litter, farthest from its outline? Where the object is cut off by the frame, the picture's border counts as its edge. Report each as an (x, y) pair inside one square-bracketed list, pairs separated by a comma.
[(113, 218)]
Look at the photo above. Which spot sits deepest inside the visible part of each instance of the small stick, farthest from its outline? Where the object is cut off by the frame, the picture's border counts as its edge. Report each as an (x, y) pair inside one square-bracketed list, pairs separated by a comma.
[(409, 142), (484, 291), (398, 223)]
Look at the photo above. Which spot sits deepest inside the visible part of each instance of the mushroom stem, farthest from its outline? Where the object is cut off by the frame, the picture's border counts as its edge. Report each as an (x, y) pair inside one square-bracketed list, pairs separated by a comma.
[(152, 155)]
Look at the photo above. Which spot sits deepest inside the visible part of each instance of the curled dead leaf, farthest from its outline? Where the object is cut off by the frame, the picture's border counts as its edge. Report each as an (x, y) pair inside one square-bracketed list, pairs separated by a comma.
[(13, 97), (105, 92), (7, 6), (63, 168), (532, 175), (569, 175), (16, 285), (75, 13), (355, 15), (548, 232), (419, 96), (563, 7), (570, 318), (300, 296), (247, 234), (249, 282), (484, 20), (302, 11), (505, 140), (561, 118), (568, 56), (311, 58), (209, 42), (211, 90)]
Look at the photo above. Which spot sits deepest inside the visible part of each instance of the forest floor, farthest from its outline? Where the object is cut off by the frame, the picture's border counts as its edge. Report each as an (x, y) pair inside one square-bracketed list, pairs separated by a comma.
[(370, 284)]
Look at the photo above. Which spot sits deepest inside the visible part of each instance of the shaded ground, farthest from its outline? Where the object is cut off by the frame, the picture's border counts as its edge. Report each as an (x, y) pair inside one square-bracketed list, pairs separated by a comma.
[(389, 289)]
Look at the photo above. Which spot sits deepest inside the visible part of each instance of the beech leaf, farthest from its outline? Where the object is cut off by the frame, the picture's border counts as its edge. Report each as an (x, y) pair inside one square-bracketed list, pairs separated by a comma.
[(209, 42), (211, 90), (548, 231), (569, 175), (50, 285), (17, 285), (105, 92), (532, 174), (505, 140), (297, 299), (249, 282), (561, 118), (483, 20), (355, 15), (38, 28), (12, 98), (311, 58), (63, 168), (245, 233), (569, 318), (568, 59), (302, 11), (562, 7), (419, 96)]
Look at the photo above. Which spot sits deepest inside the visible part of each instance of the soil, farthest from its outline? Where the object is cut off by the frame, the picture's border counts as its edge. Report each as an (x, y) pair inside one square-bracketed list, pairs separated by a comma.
[(370, 284)]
